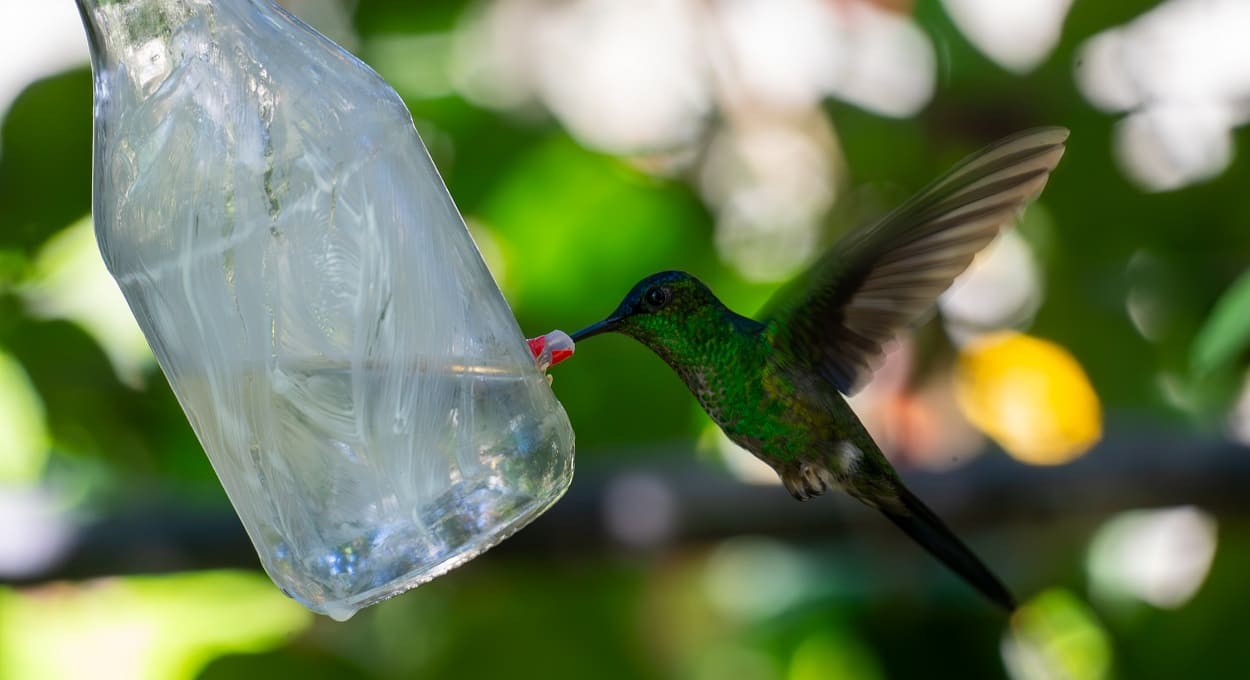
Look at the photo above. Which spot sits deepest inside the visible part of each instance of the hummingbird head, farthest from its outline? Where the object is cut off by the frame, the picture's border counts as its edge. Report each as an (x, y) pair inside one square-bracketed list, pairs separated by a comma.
[(660, 310)]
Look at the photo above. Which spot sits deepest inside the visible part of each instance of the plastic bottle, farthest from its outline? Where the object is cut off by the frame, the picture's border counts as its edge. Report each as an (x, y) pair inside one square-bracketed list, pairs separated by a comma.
[(311, 293)]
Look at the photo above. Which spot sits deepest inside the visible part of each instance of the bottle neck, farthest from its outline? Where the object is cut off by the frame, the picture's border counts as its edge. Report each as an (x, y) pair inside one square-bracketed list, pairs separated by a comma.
[(118, 29)]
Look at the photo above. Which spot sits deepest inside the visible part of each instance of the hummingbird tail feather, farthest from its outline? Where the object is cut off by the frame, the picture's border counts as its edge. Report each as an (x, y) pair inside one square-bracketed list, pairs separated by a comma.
[(923, 526)]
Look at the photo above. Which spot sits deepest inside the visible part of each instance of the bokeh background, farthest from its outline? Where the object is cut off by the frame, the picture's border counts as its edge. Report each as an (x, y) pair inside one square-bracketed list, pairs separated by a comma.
[(1078, 409)]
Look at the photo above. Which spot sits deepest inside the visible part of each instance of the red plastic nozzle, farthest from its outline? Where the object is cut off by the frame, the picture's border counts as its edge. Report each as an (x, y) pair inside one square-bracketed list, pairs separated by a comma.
[(551, 349)]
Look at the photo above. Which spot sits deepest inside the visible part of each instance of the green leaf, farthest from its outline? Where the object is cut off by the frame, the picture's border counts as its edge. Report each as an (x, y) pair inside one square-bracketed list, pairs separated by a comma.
[(45, 160), (1226, 333)]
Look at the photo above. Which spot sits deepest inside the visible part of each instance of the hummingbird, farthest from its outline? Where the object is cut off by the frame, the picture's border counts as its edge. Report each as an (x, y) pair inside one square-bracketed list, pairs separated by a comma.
[(777, 384)]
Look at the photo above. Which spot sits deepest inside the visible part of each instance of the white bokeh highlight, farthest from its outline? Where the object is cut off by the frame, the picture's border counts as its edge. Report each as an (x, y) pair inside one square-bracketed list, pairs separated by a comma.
[(1016, 34), (1002, 288), (1160, 557), (730, 91), (1179, 72)]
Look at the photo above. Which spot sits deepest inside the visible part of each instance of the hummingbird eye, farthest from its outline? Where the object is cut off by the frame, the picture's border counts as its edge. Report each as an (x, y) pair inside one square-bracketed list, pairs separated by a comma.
[(657, 297)]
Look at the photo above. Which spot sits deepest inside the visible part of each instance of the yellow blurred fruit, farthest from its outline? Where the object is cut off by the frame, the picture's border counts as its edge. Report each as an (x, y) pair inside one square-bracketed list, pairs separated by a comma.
[(1029, 395)]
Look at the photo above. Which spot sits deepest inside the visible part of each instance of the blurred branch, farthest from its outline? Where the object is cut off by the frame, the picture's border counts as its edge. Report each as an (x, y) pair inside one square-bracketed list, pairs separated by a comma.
[(699, 503)]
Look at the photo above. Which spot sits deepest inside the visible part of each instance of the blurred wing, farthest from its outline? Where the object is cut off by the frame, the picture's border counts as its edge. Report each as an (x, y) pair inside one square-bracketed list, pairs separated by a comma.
[(881, 279)]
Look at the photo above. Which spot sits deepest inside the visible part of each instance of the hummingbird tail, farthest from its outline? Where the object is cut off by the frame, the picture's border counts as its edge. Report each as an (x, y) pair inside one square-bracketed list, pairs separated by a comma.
[(923, 526)]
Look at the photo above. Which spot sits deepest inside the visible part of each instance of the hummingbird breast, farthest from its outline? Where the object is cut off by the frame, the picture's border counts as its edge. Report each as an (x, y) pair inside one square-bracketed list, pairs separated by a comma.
[(794, 421), (758, 408), (784, 415)]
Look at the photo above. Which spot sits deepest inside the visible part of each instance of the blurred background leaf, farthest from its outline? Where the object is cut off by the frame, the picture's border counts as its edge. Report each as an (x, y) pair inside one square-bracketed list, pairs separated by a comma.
[(1226, 333)]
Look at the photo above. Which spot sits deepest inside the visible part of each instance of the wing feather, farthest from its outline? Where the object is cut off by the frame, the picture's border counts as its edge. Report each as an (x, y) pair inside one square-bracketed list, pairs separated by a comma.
[(878, 280)]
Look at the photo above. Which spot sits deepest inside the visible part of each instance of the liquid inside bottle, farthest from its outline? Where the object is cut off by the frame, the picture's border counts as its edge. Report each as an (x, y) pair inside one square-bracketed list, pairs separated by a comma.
[(350, 522)]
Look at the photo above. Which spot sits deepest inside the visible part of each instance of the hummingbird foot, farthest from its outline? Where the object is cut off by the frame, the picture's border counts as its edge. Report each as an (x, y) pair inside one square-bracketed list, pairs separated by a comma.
[(806, 480)]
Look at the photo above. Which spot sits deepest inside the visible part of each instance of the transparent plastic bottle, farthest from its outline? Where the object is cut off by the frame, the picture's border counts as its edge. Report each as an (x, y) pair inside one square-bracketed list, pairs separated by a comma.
[(310, 290)]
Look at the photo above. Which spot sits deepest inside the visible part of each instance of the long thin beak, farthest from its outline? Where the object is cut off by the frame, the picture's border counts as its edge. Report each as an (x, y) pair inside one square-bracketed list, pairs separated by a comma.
[(607, 325)]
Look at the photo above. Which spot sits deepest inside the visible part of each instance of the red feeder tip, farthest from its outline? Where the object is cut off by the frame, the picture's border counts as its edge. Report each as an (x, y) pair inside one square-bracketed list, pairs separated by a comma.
[(551, 349)]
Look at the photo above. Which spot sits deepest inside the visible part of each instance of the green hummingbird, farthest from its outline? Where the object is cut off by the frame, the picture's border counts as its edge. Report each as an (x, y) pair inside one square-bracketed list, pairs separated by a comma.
[(777, 385)]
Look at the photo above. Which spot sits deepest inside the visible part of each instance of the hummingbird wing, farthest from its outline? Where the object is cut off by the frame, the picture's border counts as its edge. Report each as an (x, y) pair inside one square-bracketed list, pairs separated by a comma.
[(880, 279)]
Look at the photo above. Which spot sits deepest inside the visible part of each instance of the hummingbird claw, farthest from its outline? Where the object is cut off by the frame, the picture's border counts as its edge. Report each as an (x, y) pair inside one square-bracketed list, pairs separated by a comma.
[(807, 480)]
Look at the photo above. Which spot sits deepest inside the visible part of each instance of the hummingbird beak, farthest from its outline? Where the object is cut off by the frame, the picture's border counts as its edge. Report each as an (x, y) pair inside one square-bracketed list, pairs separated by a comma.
[(607, 325)]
